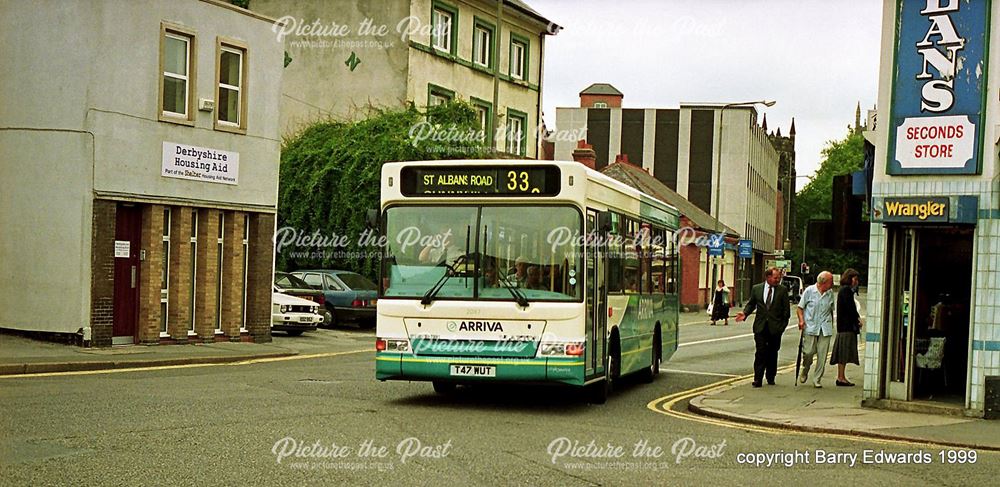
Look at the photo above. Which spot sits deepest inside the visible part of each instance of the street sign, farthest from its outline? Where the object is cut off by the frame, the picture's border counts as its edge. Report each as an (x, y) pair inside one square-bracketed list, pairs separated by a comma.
[(745, 249), (716, 245)]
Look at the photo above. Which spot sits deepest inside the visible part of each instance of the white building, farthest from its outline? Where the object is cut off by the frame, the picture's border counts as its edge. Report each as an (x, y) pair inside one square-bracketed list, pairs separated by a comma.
[(139, 170)]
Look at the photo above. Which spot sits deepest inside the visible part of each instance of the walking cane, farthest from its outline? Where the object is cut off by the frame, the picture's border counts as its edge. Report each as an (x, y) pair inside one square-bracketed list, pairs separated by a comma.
[(798, 358)]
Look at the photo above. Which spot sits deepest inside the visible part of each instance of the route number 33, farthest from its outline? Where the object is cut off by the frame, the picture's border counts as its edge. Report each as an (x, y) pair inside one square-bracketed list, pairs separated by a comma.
[(518, 181)]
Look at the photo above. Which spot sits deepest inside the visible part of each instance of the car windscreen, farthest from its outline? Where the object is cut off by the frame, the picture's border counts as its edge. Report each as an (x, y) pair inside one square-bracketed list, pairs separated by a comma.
[(357, 282)]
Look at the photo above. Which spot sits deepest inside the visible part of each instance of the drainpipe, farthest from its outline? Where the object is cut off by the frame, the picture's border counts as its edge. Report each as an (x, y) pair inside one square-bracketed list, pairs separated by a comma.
[(496, 74)]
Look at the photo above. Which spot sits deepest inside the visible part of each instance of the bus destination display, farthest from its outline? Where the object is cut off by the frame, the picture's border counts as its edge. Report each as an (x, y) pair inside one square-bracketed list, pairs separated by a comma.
[(480, 181)]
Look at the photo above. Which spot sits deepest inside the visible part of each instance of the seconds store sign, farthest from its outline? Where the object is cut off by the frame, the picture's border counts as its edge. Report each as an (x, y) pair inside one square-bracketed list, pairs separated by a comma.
[(939, 87), (200, 163)]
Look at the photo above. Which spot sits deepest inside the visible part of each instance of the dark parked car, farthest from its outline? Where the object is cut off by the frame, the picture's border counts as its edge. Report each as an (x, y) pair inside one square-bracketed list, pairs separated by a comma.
[(350, 297), (286, 283)]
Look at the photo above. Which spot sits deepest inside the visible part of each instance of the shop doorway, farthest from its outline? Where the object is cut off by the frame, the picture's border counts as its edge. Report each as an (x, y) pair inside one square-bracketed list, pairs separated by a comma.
[(928, 301), (128, 230)]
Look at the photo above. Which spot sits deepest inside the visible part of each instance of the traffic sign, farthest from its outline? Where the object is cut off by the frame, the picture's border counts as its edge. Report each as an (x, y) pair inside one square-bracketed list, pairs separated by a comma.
[(716, 245), (745, 249)]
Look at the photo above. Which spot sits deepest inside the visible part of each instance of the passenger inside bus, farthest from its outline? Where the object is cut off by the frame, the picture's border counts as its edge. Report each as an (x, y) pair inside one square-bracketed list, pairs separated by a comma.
[(533, 280)]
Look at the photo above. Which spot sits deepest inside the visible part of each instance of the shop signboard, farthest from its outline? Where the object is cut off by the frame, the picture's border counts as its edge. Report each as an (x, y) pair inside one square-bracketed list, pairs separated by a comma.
[(939, 87)]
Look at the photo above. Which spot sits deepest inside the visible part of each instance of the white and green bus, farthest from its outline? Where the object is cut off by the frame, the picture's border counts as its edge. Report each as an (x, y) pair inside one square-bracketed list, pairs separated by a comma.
[(522, 271)]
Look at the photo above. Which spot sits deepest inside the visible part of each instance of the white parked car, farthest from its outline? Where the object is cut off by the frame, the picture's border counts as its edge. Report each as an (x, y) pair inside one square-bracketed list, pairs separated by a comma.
[(294, 315)]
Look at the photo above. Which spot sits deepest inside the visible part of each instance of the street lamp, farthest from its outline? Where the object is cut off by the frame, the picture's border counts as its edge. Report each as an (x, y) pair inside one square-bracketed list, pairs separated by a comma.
[(718, 168)]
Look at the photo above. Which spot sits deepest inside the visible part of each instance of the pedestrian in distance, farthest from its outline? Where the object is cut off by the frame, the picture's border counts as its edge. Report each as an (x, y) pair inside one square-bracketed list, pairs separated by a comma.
[(845, 348), (720, 303), (815, 311), (770, 300)]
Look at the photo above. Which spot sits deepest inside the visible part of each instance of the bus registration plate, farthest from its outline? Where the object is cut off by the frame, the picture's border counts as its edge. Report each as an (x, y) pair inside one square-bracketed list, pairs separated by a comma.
[(473, 370)]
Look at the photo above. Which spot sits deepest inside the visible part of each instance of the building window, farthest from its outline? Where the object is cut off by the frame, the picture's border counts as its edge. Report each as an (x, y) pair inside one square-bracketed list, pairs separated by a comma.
[(600, 104), (177, 74), (444, 18), (218, 281), (165, 272), (516, 135), (518, 57), (437, 95), (194, 266), (231, 83), (484, 114), (482, 44), (246, 261)]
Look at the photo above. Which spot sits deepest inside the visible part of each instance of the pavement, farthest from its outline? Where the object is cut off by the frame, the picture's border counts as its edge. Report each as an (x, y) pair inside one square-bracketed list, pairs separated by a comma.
[(838, 410), (22, 355)]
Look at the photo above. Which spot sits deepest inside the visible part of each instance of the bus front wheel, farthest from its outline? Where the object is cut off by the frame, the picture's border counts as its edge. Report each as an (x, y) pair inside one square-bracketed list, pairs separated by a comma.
[(442, 387)]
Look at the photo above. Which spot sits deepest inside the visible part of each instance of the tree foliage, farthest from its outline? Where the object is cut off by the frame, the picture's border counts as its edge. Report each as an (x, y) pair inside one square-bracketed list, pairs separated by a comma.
[(815, 200), (330, 176)]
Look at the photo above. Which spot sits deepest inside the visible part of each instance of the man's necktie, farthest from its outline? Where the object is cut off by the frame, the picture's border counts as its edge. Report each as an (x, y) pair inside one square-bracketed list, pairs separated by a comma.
[(770, 292)]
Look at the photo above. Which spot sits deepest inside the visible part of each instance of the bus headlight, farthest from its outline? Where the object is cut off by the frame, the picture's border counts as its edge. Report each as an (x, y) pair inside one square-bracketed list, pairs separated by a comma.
[(573, 349), (392, 345)]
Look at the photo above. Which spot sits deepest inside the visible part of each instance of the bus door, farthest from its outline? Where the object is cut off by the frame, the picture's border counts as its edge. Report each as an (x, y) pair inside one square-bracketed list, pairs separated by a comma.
[(595, 297)]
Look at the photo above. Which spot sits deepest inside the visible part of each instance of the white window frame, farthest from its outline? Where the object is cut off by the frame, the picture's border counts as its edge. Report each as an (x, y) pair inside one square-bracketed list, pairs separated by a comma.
[(484, 44), (600, 104), (517, 70), (514, 135), (188, 78), (240, 49), (441, 40), (165, 291)]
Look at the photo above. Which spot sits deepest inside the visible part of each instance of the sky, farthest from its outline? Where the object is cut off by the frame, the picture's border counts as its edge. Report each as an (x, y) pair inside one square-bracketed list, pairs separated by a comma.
[(816, 58)]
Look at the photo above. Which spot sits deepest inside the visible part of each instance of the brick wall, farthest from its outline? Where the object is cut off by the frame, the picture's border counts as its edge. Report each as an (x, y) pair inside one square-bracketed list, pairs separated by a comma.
[(260, 274), (206, 290), (179, 287), (102, 277), (232, 275), (613, 101), (149, 275)]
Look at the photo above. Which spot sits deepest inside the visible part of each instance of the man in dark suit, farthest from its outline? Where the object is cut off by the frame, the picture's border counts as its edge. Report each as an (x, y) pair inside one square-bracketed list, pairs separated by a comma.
[(770, 300)]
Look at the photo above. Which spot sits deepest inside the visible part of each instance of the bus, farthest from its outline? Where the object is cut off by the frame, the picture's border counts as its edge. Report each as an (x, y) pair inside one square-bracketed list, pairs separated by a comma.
[(522, 271)]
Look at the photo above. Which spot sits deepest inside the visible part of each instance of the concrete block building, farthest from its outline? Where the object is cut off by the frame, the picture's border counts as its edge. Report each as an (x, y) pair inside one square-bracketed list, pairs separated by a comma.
[(139, 170)]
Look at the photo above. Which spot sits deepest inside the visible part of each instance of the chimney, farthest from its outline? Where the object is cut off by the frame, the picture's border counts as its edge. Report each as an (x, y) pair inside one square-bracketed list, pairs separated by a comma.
[(584, 154)]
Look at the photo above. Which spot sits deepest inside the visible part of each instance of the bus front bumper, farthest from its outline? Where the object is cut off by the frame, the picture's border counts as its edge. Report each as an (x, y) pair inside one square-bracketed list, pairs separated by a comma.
[(395, 366)]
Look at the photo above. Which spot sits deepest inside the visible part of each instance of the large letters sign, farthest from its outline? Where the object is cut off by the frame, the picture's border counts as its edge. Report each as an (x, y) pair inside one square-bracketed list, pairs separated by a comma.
[(200, 163), (939, 87)]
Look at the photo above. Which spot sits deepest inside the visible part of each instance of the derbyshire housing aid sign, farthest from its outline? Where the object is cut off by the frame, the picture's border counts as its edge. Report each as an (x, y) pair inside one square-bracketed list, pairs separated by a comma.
[(200, 163), (939, 87)]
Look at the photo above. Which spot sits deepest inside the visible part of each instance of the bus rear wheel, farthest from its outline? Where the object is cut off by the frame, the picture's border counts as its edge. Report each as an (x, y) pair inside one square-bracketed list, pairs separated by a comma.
[(650, 373)]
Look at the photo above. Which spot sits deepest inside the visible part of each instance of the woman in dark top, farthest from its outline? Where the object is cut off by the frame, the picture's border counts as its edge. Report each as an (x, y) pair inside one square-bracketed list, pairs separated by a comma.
[(845, 349), (720, 303)]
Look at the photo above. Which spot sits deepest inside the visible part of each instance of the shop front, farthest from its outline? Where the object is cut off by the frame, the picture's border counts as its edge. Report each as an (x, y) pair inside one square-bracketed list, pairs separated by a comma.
[(927, 298)]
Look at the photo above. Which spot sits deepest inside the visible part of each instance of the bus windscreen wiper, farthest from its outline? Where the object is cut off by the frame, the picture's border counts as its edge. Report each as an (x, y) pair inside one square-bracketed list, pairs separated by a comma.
[(449, 271), (521, 299)]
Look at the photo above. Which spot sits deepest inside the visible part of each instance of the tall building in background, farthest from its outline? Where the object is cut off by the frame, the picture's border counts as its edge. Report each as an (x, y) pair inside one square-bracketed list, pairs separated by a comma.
[(785, 146), (722, 161), (365, 55)]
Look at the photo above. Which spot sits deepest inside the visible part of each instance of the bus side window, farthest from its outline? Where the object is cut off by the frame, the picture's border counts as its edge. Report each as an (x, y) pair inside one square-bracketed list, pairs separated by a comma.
[(615, 256), (631, 257)]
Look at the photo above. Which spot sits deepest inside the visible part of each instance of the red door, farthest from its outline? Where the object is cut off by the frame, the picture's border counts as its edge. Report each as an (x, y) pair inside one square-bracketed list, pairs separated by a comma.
[(128, 229)]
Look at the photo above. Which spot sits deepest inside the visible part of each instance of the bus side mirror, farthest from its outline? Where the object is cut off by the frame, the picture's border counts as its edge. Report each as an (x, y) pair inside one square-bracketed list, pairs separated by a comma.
[(604, 221), (372, 218)]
